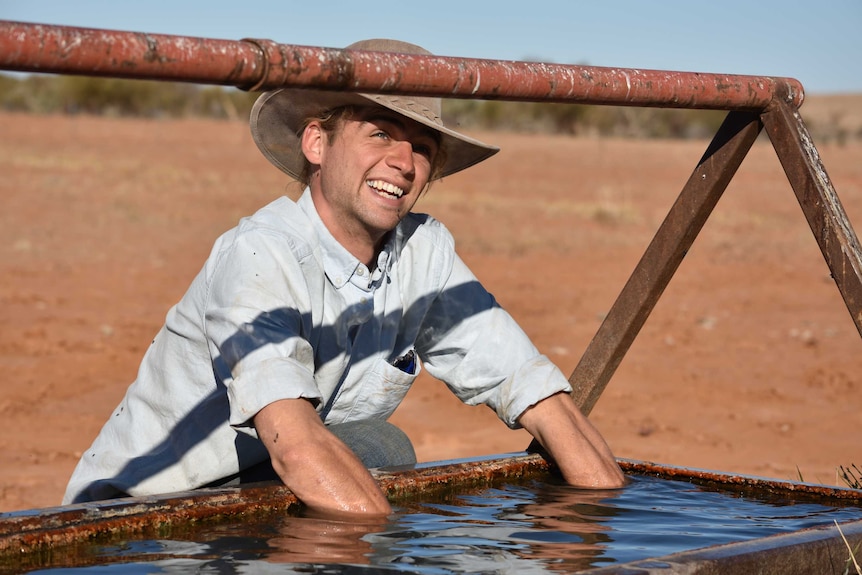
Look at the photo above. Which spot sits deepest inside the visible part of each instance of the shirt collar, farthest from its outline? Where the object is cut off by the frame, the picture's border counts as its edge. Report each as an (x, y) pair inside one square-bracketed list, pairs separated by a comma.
[(339, 264)]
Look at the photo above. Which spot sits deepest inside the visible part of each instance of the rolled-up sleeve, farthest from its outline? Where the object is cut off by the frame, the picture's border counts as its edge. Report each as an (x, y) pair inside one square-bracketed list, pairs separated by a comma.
[(258, 319), (473, 345)]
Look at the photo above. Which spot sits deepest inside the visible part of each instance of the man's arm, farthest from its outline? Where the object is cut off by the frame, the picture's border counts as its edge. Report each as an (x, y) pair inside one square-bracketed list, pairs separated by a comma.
[(314, 464), (577, 448)]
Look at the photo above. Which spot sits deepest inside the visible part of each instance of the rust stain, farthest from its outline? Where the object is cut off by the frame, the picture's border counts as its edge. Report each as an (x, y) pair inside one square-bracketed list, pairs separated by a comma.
[(263, 64), (36, 530)]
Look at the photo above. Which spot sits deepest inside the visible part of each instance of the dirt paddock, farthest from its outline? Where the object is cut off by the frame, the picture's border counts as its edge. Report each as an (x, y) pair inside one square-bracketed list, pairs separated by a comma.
[(750, 362)]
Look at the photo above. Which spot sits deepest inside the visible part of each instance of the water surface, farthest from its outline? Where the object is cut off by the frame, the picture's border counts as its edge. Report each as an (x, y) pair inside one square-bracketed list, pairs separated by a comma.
[(530, 527)]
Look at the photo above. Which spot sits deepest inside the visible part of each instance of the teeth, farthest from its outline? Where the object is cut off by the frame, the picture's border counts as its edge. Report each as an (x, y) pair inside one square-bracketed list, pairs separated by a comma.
[(386, 187)]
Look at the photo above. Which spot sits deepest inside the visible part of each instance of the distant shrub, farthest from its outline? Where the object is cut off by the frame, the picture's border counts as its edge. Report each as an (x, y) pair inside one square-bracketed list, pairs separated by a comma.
[(40, 93), (578, 119)]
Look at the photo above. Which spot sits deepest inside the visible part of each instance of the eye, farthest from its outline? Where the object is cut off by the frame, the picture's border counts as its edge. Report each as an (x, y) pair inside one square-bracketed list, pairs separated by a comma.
[(380, 134), (423, 150)]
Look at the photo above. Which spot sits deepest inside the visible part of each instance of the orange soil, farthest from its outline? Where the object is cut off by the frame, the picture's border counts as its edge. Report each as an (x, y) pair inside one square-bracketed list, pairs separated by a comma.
[(750, 362)]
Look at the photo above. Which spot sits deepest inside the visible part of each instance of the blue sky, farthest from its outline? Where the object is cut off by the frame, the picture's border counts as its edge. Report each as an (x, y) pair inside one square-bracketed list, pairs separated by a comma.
[(819, 43)]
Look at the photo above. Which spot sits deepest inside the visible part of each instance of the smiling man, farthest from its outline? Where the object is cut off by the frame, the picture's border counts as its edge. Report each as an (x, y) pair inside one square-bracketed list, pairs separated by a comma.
[(311, 319)]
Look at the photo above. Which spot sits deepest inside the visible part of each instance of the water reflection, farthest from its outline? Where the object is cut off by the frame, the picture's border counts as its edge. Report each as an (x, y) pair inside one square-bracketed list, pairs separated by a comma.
[(532, 527), (560, 511), (523, 529), (309, 539)]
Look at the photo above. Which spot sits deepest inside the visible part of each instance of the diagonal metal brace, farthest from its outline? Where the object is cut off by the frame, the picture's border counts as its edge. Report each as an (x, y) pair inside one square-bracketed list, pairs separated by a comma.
[(663, 256), (819, 202)]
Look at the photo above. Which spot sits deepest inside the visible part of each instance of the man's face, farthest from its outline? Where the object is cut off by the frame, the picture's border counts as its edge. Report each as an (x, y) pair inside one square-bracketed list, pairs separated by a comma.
[(371, 172)]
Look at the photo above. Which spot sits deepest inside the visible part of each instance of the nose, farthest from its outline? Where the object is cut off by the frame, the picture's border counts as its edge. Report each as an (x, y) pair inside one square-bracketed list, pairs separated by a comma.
[(400, 157)]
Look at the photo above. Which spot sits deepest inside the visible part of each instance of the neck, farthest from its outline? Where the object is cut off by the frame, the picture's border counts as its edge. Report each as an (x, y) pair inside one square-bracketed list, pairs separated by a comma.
[(363, 250), (362, 243)]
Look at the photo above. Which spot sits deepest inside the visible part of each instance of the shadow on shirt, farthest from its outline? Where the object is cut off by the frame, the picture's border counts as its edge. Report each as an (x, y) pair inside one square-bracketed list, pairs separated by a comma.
[(436, 315)]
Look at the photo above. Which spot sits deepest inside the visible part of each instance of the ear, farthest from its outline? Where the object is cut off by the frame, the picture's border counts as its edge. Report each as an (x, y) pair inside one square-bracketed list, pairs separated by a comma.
[(313, 142)]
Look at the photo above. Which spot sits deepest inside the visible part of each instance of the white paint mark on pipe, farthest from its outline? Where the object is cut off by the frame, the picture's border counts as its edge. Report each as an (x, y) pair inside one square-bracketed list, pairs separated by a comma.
[(628, 84)]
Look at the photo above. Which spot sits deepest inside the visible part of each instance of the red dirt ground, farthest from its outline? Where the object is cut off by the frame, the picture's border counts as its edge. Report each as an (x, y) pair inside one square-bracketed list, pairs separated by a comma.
[(750, 362)]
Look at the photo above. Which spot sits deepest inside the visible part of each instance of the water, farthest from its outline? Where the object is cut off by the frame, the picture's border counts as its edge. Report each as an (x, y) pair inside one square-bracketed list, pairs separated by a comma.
[(531, 527)]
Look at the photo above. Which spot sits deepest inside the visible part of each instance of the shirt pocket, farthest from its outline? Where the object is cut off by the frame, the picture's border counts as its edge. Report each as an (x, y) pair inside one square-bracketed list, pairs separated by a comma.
[(383, 388)]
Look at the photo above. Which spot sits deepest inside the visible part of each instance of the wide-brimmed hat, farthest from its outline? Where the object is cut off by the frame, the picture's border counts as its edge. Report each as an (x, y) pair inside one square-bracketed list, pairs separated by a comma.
[(277, 117)]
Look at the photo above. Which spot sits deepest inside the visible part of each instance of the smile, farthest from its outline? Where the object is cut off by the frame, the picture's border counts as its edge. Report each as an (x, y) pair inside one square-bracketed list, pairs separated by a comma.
[(385, 189)]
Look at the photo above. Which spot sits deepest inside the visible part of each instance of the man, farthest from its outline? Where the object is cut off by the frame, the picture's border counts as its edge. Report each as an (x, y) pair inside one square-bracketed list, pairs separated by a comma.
[(310, 320)]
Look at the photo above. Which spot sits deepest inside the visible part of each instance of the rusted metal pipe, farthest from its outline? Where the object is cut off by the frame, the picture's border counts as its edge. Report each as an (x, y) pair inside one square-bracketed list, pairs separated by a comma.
[(92, 52), (264, 64), (819, 201), (662, 257)]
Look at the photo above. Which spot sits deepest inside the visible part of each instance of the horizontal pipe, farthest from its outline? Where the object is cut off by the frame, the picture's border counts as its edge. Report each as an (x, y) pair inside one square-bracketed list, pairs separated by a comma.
[(265, 65), (91, 52)]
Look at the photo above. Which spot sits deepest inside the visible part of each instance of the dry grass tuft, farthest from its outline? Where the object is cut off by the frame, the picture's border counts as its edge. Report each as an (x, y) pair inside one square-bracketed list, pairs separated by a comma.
[(852, 558), (852, 477)]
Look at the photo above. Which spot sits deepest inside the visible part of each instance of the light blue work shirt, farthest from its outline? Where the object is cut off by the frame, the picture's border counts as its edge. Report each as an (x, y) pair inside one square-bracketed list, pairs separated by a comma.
[(281, 310)]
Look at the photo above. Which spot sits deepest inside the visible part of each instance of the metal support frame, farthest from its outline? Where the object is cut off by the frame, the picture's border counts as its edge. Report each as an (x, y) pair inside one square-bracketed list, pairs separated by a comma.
[(816, 195), (753, 102)]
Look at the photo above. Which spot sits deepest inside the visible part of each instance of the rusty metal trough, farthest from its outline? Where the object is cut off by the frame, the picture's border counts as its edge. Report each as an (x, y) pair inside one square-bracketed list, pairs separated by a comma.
[(61, 536), (34, 538)]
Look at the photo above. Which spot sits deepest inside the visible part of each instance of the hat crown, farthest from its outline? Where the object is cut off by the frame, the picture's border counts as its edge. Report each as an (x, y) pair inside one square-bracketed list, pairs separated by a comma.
[(388, 45), (428, 107)]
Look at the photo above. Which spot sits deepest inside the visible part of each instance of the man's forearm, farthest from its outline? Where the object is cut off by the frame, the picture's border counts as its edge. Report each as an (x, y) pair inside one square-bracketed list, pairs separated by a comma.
[(578, 449), (317, 467)]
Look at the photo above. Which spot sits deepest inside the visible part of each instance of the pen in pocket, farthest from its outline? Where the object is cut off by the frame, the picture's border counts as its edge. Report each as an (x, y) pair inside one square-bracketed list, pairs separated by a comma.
[(406, 363)]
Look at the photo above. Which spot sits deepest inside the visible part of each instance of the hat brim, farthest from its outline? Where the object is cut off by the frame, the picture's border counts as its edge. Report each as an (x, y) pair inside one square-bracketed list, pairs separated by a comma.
[(277, 116)]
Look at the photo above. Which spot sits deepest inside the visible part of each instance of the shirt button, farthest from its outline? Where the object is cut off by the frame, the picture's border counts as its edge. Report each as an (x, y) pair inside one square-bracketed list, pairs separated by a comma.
[(360, 271)]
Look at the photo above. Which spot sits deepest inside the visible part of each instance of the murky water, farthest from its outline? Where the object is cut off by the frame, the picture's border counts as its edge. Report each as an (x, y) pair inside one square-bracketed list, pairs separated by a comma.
[(534, 527)]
